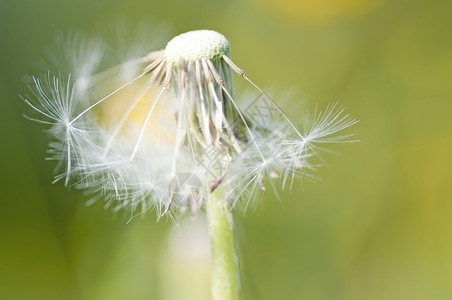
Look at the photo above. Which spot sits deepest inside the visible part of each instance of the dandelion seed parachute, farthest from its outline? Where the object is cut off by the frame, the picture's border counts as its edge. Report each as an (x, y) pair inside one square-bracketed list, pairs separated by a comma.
[(135, 134)]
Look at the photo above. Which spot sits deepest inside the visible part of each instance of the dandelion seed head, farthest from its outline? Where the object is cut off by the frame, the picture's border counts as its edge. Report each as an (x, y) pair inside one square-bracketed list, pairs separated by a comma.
[(164, 130)]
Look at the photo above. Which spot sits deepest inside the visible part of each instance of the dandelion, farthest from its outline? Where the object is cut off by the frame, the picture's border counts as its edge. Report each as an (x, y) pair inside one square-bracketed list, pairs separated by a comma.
[(164, 131)]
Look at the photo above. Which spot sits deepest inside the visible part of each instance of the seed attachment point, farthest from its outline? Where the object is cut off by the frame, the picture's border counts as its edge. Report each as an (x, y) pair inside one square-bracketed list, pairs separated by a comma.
[(197, 45)]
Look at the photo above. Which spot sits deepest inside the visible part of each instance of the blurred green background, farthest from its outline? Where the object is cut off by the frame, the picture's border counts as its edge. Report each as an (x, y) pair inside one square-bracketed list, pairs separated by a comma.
[(378, 226)]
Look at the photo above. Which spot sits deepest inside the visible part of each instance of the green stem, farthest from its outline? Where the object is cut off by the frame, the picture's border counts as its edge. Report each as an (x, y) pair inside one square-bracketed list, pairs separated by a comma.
[(225, 275)]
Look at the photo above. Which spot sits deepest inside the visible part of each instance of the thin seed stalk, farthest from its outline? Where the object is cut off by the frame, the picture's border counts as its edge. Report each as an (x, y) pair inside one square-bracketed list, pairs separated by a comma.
[(225, 275)]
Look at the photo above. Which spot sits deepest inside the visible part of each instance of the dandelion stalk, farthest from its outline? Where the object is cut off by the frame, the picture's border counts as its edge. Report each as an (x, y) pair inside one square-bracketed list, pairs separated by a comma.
[(225, 275)]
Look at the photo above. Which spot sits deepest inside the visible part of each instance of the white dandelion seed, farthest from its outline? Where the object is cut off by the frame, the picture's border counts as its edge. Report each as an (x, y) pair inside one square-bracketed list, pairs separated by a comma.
[(128, 134)]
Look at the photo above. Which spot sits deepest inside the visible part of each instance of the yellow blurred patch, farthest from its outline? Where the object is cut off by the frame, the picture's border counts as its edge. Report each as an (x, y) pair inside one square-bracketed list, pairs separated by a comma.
[(318, 12), (130, 108)]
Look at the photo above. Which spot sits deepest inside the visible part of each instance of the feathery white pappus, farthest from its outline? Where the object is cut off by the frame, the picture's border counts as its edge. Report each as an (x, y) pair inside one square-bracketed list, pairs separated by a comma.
[(163, 130)]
